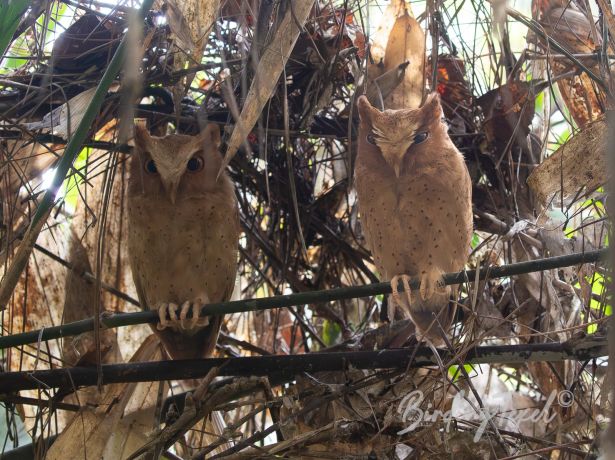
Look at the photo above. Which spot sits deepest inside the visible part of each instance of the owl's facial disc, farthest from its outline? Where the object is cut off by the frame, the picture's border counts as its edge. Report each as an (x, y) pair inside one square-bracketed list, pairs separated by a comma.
[(398, 133), (171, 168), (182, 166), (395, 148)]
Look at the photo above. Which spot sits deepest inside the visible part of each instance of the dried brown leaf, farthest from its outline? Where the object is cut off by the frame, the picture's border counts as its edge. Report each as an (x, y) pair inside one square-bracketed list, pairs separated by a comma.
[(63, 120), (406, 43), (578, 164), (90, 430), (380, 38)]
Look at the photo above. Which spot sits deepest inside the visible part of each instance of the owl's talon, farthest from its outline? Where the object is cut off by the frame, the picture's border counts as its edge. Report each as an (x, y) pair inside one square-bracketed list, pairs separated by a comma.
[(394, 292), (431, 283), (197, 321), (173, 307), (163, 309), (405, 279), (184, 312), (196, 311), (181, 321)]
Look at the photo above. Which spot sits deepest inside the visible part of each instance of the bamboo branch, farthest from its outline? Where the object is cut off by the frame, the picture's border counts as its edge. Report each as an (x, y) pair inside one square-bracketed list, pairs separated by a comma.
[(582, 350), (302, 298)]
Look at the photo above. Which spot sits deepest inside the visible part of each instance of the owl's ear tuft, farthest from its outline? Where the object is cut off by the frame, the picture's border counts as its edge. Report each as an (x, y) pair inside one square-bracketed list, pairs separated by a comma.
[(432, 109), (142, 135), (365, 108), (211, 134)]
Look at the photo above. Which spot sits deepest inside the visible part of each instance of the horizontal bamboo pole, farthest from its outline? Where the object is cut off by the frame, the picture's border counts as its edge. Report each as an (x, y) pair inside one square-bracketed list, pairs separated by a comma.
[(277, 365), (302, 298)]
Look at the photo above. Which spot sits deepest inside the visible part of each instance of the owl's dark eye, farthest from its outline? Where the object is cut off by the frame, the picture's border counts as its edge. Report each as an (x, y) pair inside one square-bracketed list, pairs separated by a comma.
[(150, 167), (420, 137), (370, 139), (195, 164)]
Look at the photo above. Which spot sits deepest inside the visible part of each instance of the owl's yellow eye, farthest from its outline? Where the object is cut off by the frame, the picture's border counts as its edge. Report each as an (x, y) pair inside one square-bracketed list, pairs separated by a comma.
[(150, 167), (420, 137), (195, 164), (370, 139)]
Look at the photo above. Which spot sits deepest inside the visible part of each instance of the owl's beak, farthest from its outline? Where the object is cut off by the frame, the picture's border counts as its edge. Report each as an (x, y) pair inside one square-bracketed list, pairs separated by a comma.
[(396, 164), (173, 195), (393, 159), (171, 187), (397, 169)]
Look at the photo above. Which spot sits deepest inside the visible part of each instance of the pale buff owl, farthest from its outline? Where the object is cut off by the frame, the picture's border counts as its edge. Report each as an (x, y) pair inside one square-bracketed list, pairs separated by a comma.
[(183, 235), (414, 195)]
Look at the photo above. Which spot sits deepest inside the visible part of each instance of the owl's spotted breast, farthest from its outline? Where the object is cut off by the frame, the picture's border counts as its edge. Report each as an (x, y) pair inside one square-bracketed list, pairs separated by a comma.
[(182, 251), (414, 222)]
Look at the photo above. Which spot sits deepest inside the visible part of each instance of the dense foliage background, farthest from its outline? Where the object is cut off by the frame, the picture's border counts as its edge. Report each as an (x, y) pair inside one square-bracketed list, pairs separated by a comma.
[(524, 85)]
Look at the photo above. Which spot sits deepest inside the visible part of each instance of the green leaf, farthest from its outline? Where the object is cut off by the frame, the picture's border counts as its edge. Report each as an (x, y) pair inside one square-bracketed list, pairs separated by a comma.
[(11, 12), (330, 332), (70, 187), (539, 102), (475, 240), (455, 373)]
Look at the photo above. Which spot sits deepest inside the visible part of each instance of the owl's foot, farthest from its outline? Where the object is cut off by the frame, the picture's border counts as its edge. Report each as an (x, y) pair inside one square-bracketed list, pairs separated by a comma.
[(431, 283), (405, 280), (182, 321)]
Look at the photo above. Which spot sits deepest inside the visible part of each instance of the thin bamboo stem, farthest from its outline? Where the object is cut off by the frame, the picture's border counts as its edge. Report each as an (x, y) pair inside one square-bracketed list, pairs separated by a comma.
[(302, 298)]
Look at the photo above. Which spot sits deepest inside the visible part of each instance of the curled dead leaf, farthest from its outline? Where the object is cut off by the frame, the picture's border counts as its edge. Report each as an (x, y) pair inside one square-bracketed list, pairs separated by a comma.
[(406, 43)]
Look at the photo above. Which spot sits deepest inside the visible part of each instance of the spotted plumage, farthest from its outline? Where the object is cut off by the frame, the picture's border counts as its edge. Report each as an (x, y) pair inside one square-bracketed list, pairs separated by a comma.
[(414, 195), (183, 234)]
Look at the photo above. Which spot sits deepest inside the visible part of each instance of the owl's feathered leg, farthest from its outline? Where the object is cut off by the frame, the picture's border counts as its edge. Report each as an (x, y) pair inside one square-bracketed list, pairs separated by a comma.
[(405, 280)]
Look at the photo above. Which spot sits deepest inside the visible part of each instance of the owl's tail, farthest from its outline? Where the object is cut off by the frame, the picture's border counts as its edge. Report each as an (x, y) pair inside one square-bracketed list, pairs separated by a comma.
[(433, 317)]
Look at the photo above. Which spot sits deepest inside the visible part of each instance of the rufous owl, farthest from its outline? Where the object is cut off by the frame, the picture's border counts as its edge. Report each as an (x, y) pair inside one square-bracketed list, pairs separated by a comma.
[(415, 200), (183, 235)]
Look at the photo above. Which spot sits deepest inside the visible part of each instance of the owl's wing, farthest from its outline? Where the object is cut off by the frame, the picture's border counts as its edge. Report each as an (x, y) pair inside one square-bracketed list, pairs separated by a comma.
[(140, 292), (368, 233)]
